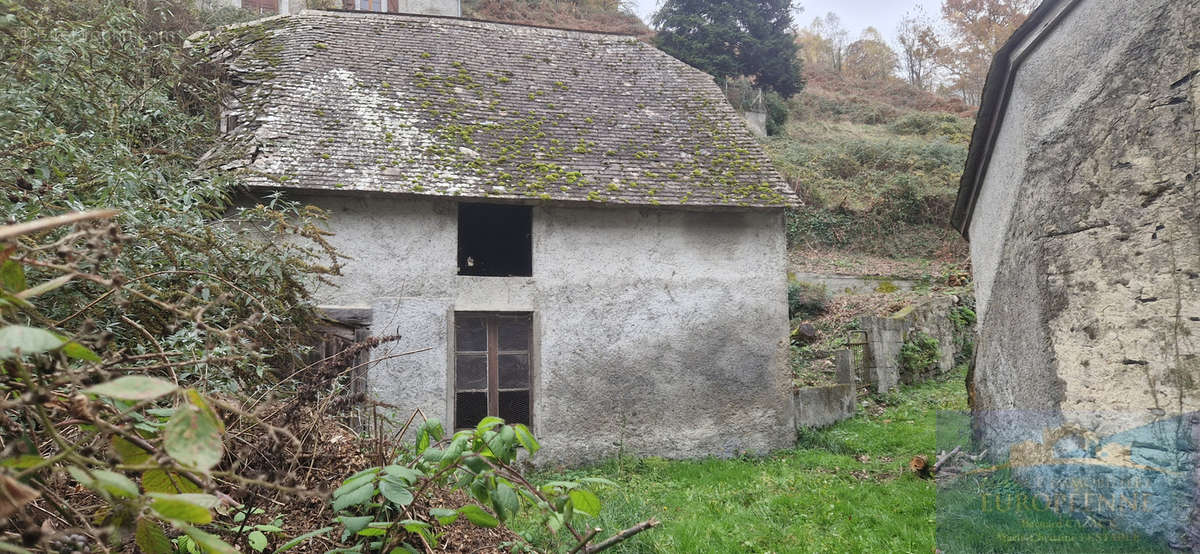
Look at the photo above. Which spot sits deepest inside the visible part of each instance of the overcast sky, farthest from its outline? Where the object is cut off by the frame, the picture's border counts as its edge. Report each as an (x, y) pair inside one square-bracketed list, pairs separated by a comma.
[(856, 14)]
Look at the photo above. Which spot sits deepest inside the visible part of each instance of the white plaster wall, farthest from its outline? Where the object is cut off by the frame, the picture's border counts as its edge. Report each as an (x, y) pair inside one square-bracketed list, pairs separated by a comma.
[(658, 331), (1057, 76)]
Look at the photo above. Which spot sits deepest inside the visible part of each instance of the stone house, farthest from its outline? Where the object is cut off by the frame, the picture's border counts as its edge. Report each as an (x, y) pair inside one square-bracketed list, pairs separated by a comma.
[(570, 230), (1080, 201)]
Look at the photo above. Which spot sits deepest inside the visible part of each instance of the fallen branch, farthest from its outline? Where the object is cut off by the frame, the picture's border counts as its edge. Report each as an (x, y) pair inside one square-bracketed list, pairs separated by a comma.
[(613, 540), (945, 458), (11, 231), (586, 538)]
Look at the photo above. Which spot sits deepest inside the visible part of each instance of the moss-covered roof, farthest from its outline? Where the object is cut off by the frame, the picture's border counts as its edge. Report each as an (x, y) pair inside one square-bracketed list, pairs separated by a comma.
[(451, 107)]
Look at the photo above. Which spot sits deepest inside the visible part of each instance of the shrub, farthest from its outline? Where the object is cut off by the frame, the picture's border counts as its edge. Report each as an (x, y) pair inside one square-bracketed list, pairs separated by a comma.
[(963, 318), (919, 354), (777, 112), (926, 123), (806, 299)]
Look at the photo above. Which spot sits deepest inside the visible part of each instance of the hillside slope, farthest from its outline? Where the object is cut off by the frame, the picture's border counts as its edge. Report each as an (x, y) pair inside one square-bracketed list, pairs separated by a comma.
[(878, 165)]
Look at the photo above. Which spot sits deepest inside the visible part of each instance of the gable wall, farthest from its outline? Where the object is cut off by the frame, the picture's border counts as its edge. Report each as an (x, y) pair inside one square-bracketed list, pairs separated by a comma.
[(1086, 247), (658, 331)]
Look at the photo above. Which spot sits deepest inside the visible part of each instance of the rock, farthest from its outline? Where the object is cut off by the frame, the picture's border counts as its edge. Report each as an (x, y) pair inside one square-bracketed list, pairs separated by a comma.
[(805, 333)]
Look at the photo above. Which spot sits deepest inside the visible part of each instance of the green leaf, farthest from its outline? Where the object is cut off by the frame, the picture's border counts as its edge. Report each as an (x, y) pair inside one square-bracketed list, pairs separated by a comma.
[(361, 495), (257, 540), (396, 491), (128, 452), (77, 351), (355, 524), (193, 435), (487, 423), (563, 484), (151, 538), (12, 275), (296, 541), (200, 499), (269, 528), (26, 340), (455, 450), (132, 387), (434, 455), (407, 474), (585, 502), (412, 525), (103, 480), (506, 502), (478, 516), (597, 481), (430, 432), (356, 481), (525, 437), (24, 461), (372, 532), (445, 516), (161, 480), (210, 543), (178, 509), (501, 443)]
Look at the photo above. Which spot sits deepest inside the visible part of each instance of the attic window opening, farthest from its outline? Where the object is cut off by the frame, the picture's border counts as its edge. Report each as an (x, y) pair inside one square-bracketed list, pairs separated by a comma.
[(491, 367), (495, 240)]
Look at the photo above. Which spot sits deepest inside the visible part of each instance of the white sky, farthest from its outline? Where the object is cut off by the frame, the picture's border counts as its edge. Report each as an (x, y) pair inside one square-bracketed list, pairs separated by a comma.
[(856, 15)]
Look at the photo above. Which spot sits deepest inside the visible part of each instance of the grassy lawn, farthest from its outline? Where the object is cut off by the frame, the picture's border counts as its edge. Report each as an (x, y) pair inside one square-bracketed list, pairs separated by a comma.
[(843, 489)]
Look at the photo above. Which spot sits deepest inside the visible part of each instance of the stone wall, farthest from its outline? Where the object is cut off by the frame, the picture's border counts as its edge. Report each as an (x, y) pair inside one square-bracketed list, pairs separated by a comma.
[(882, 367), (657, 331), (1086, 247)]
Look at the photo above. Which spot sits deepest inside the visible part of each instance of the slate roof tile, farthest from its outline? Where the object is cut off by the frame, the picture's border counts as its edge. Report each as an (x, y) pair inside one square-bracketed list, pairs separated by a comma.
[(453, 107)]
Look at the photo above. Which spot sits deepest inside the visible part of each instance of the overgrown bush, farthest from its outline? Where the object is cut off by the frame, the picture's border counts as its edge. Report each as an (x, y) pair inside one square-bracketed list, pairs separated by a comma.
[(963, 319), (131, 348), (806, 299), (919, 354), (384, 508), (932, 123), (777, 112), (99, 108)]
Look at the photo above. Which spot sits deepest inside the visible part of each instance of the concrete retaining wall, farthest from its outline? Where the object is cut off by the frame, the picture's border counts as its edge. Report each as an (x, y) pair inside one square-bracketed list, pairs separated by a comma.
[(840, 285), (821, 406)]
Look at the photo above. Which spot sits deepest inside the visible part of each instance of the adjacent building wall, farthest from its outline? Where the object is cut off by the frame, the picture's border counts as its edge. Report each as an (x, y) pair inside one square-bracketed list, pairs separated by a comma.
[(1086, 248), (658, 331)]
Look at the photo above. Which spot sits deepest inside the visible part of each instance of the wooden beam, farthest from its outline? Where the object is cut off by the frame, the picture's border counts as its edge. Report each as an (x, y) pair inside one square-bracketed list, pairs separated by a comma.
[(346, 315)]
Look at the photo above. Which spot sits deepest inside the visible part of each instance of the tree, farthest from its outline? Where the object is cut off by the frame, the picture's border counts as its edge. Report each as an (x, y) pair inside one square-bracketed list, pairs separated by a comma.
[(978, 29), (870, 57), (823, 43), (751, 38), (919, 49)]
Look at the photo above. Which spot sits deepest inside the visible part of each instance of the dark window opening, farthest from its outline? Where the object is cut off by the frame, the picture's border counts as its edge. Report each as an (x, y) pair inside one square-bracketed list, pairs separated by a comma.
[(491, 368), (495, 240)]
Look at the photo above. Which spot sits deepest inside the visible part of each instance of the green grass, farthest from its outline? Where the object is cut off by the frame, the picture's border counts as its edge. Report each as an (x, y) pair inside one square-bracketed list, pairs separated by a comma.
[(843, 489)]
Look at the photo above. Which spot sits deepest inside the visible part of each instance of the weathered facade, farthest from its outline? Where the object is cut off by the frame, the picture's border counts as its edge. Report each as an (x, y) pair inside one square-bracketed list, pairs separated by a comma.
[(568, 229), (1080, 201)]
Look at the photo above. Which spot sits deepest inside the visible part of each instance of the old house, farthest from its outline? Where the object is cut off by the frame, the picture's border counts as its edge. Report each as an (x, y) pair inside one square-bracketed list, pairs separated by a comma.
[(1080, 201), (571, 230)]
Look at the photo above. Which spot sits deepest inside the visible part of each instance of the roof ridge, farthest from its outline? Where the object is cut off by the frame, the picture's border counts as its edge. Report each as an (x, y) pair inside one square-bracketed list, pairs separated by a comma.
[(485, 22)]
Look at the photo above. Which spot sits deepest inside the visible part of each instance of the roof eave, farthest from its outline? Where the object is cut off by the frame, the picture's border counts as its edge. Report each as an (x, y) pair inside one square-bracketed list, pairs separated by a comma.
[(994, 102)]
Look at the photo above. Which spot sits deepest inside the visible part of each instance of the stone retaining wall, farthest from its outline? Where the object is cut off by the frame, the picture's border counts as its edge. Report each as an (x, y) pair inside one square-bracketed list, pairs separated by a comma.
[(886, 336)]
